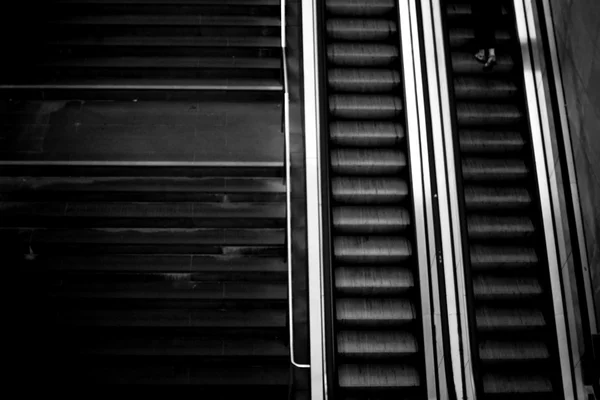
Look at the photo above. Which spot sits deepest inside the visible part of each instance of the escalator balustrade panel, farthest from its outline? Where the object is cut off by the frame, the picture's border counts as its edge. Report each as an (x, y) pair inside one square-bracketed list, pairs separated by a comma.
[(376, 300), (514, 343)]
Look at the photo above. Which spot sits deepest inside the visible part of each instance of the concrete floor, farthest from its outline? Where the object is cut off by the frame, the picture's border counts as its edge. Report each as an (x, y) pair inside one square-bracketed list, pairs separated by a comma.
[(140, 131)]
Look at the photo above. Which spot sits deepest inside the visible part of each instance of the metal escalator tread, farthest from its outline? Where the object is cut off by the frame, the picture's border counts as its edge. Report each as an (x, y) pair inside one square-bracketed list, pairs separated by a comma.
[(375, 289), (514, 337)]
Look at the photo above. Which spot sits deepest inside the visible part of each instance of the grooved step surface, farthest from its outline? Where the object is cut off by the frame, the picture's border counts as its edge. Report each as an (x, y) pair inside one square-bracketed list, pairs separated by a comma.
[(375, 288), (514, 340)]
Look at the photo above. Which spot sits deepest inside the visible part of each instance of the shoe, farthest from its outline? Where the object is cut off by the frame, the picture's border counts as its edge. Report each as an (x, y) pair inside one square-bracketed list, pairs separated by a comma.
[(490, 63), (480, 56)]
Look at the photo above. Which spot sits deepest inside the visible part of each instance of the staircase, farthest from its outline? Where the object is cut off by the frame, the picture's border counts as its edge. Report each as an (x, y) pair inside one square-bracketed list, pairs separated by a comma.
[(139, 276), (141, 48)]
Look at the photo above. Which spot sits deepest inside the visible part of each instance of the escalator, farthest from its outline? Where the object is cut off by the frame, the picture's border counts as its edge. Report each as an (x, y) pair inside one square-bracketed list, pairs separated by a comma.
[(513, 337), (375, 325)]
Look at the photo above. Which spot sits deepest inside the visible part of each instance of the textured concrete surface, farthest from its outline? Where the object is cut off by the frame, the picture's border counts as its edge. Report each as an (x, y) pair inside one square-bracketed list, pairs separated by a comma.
[(140, 131), (578, 40)]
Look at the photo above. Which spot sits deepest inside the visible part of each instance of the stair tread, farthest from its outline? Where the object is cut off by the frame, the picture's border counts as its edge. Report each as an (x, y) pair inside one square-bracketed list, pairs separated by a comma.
[(171, 290), (196, 346), (139, 263), (169, 20), (148, 84), (141, 184), (183, 318), (121, 236), (165, 62), (171, 41), (144, 210)]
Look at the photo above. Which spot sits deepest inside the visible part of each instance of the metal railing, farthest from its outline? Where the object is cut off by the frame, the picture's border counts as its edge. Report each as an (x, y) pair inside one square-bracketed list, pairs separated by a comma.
[(288, 193)]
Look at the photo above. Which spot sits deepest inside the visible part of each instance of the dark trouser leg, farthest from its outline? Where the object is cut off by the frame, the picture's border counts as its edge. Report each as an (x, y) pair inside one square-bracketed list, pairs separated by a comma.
[(486, 14)]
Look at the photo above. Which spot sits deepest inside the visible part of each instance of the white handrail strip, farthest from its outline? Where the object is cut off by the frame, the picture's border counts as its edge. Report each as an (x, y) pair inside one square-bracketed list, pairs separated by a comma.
[(416, 141), (526, 36), (452, 252), (288, 192)]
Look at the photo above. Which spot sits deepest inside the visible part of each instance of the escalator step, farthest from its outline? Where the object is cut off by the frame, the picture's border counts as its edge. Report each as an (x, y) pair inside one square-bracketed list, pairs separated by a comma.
[(465, 64), (486, 258), (373, 281), (492, 141), (370, 376), (368, 107), (355, 8), (369, 190), (496, 198), (464, 37), (375, 312), (371, 249), (482, 169), (488, 227), (374, 162), (513, 288), (509, 320), (496, 351), (363, 80), (366, 133), (361, 29), (361, 54), (484, 89), (370, 220), (486, 115), (531, 384), (373, 344)]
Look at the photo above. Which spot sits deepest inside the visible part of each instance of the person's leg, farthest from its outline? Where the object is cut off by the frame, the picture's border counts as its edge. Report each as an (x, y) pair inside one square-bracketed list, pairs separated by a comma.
[(480, 28), (493, 11)]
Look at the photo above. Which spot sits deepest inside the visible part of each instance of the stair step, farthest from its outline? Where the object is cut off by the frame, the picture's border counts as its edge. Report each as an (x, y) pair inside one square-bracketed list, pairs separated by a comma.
[(151, 240), (506, 288), (165, 264), (231, 377), (175, 318), (146, 189), (112, 289), (139, 215), (168, 41), (168, 20), (361, 54), (141, 86), (463, 37), (156, 62), (196, 346)]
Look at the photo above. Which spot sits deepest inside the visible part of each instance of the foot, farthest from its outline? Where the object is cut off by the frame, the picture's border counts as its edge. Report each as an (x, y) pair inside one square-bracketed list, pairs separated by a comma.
[(489, 64), (480, 56)]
